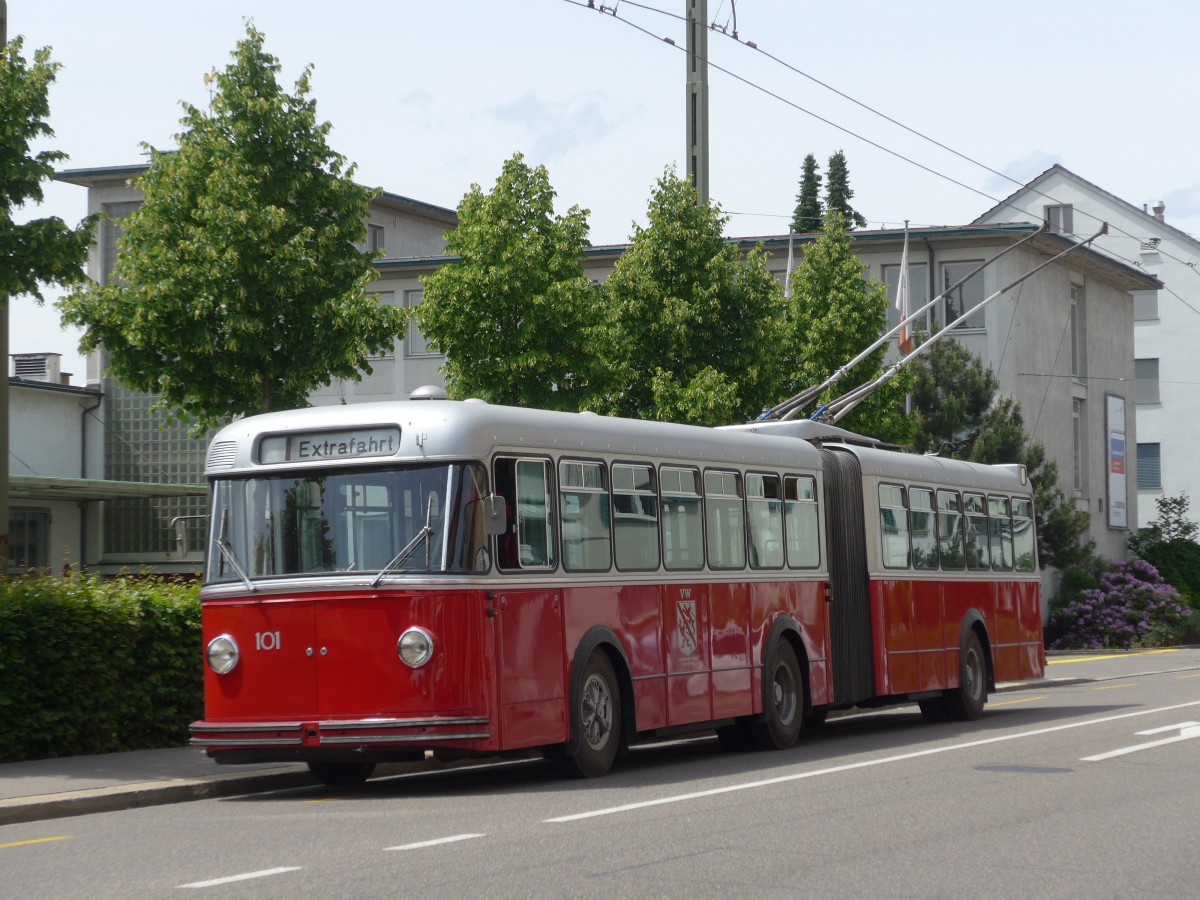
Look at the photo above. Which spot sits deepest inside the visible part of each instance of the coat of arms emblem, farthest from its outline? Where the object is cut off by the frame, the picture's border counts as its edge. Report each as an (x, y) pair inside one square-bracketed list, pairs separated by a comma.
[(685, 616)]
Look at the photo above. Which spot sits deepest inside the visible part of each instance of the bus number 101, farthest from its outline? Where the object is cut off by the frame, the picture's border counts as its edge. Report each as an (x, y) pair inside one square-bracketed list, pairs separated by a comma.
[(266, 640)]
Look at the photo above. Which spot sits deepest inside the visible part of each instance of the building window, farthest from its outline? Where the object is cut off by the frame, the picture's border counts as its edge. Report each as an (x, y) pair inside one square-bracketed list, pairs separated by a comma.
[(1145, 306), (374, 237), (111, 230), (416, 345), (1078, 318), (29, 539), (966, 296), (1149, 466), (1061, 218), (1145, 373), (1079, 447), (918, 296)]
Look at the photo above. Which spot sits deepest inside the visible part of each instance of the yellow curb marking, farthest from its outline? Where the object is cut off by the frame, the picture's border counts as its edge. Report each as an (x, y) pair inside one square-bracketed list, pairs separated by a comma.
[(65, 837), (1113, 687), (1197, 675), (1059, 662)]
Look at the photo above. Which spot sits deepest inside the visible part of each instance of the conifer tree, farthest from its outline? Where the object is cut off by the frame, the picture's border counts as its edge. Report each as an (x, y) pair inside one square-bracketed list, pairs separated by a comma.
[(809, 213), (838, 192)]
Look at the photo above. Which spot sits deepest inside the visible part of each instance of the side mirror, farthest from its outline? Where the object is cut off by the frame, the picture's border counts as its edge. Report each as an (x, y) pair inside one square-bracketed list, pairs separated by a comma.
[(495, 514)]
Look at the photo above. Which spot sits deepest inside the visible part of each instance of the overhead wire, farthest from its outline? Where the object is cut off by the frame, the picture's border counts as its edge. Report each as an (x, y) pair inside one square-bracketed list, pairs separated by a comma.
[(1192, 264)]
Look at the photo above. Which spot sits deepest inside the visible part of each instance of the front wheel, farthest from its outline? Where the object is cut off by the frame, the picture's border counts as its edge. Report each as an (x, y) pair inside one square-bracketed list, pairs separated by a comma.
[(785, 701), (966, 703), (596, 721), (334, 774)]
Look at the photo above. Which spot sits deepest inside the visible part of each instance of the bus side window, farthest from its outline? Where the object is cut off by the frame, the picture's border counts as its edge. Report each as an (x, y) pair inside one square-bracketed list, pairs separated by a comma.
[(583, 512), (921, 522), (893, 526), (802, 522), (528, 542), (724, 520), (635, 517), (1000, 533), (682, 532), (950, 530), (764, 519), (1024, 538), (976, 532)]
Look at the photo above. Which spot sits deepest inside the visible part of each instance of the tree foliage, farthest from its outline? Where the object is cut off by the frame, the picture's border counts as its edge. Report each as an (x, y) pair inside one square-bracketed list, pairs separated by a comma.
[(695, 338), (838, 191), (42, 251), (518, 320), (1169, 544), (960, 416), (809, 213), (239, 287), (834, 314)]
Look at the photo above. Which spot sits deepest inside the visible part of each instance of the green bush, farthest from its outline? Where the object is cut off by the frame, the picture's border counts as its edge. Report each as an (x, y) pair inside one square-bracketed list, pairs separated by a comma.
[(92, 666)]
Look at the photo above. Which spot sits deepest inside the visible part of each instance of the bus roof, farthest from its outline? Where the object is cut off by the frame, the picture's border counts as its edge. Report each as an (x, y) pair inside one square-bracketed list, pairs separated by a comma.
[(473, 429)]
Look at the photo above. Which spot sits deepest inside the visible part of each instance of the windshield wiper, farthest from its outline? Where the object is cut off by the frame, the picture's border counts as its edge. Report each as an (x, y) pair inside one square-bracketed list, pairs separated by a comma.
[(419, 538), (227, 552)]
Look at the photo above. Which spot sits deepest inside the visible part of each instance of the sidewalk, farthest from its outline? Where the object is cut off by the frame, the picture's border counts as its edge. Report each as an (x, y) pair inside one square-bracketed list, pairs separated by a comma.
[(79, 785)]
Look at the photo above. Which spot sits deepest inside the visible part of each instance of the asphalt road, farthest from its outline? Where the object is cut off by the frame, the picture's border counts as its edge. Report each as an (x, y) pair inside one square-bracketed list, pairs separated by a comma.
[(1064, 789)]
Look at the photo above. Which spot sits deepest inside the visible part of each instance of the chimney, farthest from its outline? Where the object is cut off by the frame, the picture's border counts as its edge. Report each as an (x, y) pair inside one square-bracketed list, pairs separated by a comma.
[(1159, 209), (44, 367)]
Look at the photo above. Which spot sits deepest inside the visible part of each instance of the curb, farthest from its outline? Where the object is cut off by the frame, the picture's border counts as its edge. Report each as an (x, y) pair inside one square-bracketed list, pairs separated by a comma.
[(152, 793)]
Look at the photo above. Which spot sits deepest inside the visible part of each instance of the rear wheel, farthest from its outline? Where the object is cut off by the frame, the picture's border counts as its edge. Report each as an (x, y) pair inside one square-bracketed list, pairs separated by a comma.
[(785, 701), (335, 774), (596, 721), (966, 703)]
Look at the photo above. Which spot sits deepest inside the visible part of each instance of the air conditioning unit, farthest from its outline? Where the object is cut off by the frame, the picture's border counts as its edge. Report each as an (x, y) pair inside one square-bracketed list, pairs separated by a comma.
[(45, 367)]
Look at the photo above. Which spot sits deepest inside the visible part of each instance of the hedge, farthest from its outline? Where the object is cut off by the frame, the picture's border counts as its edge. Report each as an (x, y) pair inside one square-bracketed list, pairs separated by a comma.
[(92, 666)]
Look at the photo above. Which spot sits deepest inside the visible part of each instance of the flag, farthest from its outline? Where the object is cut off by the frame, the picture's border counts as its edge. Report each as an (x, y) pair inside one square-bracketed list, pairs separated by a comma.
[(902, 295), (787, 276)]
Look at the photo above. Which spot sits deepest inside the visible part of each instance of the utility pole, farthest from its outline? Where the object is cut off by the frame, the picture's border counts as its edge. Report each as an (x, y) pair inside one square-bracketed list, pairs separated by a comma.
[(4, 384), (697, 97)]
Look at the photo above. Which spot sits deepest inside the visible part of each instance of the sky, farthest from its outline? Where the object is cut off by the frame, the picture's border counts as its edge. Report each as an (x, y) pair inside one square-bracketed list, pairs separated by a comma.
[(428, 97)]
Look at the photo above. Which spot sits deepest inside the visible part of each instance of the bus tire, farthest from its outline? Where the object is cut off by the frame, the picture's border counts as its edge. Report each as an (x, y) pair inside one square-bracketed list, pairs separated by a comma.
[(784, 713), (965, 704), (338, 774), (596, 720)]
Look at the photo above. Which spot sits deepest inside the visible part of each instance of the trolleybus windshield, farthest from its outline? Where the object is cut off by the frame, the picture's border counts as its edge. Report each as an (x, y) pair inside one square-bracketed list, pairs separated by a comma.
[(345, 520)]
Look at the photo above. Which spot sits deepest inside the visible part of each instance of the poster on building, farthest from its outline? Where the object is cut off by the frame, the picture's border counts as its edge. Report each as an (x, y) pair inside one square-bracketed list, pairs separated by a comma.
[(1118, 513)]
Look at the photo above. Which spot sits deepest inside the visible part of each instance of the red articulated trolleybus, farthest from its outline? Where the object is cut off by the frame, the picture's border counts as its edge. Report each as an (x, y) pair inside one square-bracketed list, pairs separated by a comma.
[(392, 578)]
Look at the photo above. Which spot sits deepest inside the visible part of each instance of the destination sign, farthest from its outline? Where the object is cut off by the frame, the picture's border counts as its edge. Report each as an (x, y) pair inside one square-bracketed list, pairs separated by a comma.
[(316, 446)]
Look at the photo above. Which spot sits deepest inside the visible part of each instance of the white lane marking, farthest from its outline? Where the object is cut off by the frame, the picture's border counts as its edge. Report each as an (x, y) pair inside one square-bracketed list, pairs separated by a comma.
[(849, 767), (1187, 731), (246, 876), (1167, 728), (435, 842)]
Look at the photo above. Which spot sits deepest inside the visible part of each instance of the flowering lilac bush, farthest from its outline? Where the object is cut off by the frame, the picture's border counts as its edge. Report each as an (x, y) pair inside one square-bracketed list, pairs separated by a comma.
[(1131, 602)]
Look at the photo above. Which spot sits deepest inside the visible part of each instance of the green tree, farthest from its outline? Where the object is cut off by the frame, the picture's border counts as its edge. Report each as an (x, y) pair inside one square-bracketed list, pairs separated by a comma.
[(41, 251), (960, 416), (809, 213), (1169, 544), (838, 191), (695, 337), (518, 320), (834, 313), (239, 288)]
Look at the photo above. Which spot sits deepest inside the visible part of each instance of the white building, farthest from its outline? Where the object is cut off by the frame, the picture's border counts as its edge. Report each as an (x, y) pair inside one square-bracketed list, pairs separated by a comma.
[(56, 486), (1166, 322)]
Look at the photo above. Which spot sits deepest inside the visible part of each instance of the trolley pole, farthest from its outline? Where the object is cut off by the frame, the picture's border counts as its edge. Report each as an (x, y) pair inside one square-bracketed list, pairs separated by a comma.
[(697, 97)]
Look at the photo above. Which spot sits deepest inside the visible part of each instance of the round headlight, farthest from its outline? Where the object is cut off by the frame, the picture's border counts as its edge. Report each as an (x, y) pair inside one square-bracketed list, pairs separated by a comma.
[(415, 647), (222, 654)]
